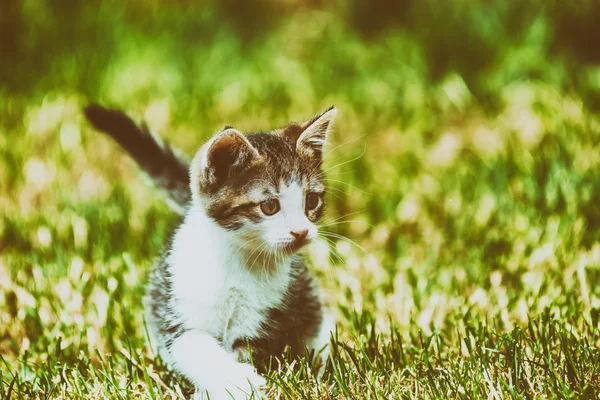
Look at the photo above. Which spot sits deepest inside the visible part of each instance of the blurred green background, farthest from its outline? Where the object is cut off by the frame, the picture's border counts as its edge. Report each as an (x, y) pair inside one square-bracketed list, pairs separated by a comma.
[(465, 159)]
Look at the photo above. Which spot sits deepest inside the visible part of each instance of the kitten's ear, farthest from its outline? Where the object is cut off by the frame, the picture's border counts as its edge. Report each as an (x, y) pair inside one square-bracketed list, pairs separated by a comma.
[(225, 153), (312, 134)]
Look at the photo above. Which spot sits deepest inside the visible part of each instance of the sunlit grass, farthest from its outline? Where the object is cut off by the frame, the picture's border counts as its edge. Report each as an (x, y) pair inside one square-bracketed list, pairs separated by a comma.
[(472, 258)]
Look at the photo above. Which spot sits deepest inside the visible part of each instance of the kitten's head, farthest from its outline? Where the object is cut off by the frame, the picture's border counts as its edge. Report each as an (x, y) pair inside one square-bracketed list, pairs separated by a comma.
[(266, 189)]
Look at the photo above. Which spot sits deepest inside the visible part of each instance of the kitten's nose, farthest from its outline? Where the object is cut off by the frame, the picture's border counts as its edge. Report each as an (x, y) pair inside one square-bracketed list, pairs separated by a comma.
[(299, 235)]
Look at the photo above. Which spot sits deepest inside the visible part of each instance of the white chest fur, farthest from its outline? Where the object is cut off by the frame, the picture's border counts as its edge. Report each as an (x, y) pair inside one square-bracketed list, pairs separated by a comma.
[(215, 290)]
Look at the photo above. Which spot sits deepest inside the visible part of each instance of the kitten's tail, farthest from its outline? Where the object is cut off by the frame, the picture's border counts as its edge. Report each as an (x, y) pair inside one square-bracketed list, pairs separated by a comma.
[(164, 166)]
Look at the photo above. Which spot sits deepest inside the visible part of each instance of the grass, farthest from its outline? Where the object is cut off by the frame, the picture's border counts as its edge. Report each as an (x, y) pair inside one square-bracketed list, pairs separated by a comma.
[(463, 257)]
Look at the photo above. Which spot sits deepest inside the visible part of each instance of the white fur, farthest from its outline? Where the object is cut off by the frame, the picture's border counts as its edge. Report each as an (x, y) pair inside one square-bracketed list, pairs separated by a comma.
[(216, 290), (218, 296), (291, 218), (212, 369), (320, 343)]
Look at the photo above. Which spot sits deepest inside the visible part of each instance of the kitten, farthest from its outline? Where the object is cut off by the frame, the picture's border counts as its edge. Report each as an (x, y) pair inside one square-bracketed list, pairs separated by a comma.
[(230, 286)]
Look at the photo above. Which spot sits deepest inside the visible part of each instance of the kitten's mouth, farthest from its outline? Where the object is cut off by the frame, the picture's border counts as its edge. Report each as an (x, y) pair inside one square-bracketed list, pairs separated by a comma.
[(293, 247)]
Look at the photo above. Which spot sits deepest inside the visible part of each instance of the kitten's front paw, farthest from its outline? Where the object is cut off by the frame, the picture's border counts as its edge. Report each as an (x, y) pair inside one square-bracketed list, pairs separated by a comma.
[(244, 381), (240, 383)]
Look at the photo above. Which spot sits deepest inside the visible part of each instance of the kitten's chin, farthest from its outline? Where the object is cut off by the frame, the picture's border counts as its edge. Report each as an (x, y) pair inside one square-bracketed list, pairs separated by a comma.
[(293, 247)]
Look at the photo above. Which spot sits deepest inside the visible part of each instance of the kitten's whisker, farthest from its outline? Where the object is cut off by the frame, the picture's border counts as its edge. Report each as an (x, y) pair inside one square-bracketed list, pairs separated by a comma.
[(265, 268), (329, 255), (340, 173), (346, 222), (242, 246), (333, 252), (279, 254), (335, 195), (347, 162), (265, 254), (319, 174), (329, 188), (342, 237), (330, 247), (339, 219), (263, 247), (315, 174), (251, 254), (343, 144), (347, 184), (343, 216)]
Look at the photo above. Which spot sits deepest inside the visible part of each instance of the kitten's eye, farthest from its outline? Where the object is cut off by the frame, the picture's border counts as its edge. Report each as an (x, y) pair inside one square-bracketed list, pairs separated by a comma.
[(270, 207), (312, 201)]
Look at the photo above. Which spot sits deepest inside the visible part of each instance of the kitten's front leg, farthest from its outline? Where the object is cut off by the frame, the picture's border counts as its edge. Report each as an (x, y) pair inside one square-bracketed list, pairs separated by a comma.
[(320, 343), (201, 359)]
